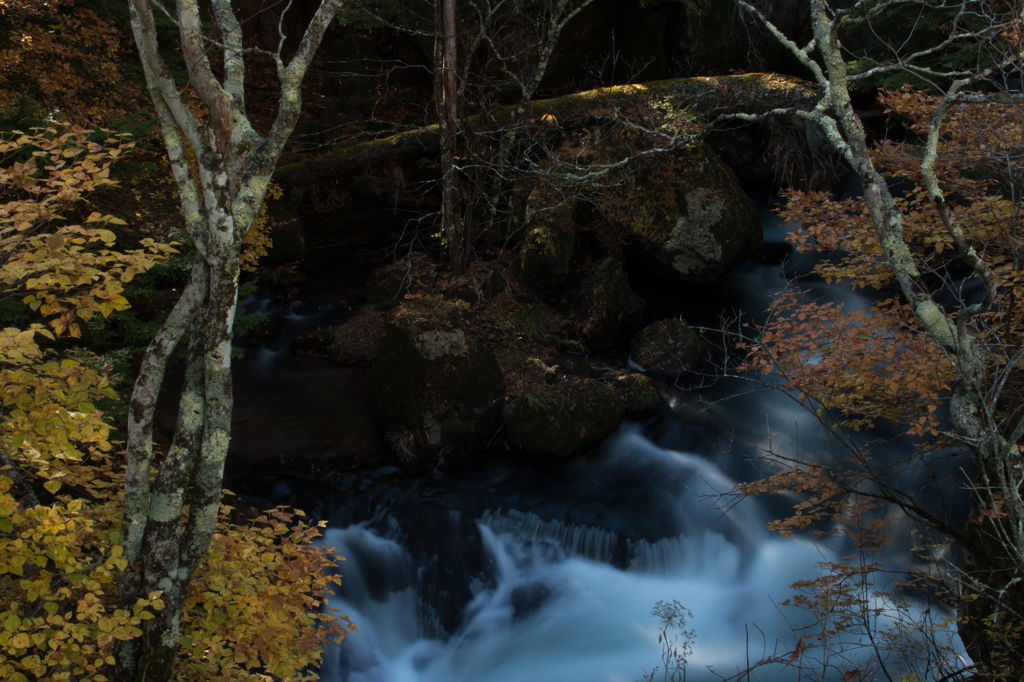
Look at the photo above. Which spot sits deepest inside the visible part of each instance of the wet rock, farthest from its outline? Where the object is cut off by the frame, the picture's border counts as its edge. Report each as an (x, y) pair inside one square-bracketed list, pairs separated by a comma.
[(667, 346), (447, 549), (267, 329), (597, 306), (527, 598), (546, 256), (436, 387), (689, 217), (638, 393), (558, 421)]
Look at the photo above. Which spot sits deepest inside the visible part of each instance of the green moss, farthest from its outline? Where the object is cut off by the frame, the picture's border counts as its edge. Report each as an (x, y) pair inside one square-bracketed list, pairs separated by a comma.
[(561, 420), (668, 346), (640, 396), (546, 256)]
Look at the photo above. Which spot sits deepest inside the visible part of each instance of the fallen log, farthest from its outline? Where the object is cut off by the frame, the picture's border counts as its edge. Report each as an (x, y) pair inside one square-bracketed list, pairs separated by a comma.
[(751, 93)]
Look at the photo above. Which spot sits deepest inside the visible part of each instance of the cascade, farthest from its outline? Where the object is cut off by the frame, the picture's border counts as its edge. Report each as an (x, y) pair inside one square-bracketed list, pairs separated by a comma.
[(553, 607), (552, 576)]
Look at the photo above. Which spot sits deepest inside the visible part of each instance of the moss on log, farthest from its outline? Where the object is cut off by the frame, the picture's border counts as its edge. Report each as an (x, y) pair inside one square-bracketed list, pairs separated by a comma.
[(750, 93)]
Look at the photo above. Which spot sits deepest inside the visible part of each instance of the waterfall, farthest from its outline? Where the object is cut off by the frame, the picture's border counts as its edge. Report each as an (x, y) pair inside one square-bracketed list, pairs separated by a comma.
[(503, 573), (552, 607)]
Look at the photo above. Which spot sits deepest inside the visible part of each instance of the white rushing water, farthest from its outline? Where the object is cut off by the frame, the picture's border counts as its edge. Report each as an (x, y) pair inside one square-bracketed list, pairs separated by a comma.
[(558, 611), (571, 602)]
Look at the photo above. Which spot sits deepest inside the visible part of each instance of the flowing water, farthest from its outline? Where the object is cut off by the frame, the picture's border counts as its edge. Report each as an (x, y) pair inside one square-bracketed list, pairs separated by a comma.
[(555, 607), (509, 575), (565, 600)]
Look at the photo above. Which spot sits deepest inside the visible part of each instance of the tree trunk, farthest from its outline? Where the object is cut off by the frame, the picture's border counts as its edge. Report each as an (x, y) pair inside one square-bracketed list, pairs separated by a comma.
[(169, 520), (190, 475), (445, 89)]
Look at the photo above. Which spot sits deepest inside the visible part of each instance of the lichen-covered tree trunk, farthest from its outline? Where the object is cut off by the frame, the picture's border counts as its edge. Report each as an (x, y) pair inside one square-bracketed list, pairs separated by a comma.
[(171, 505)]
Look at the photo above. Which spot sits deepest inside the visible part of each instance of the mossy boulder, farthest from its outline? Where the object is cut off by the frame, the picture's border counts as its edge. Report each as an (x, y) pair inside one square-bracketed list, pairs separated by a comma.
[(386, 287), (597, 306), (483, 281), (638, 394), (688, 215), (558, 421), (267, 329), (546, 257), (354, 342), (667, 347), (436, 387)]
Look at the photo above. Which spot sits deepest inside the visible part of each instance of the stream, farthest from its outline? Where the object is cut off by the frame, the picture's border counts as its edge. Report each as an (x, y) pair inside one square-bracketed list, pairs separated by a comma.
[(497, 572)]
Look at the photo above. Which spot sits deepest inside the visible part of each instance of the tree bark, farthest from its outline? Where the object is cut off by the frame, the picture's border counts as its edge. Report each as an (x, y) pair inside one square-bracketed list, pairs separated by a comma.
[(445, 89), (167, 526)]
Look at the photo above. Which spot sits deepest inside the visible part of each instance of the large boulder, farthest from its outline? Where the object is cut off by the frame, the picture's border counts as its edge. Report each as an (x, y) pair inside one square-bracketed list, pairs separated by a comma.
[(667, 347), (553, 422), (599, 304), (354, 342), (437, 388), (688, 215), (638, 394), (546, 257), (386, 287)]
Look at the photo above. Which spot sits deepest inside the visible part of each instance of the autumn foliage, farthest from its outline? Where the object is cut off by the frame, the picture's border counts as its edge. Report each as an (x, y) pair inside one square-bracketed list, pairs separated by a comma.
[(66, 273), (878, 365), (70, 63), (257, 602), (256, 606), (861, 369)]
